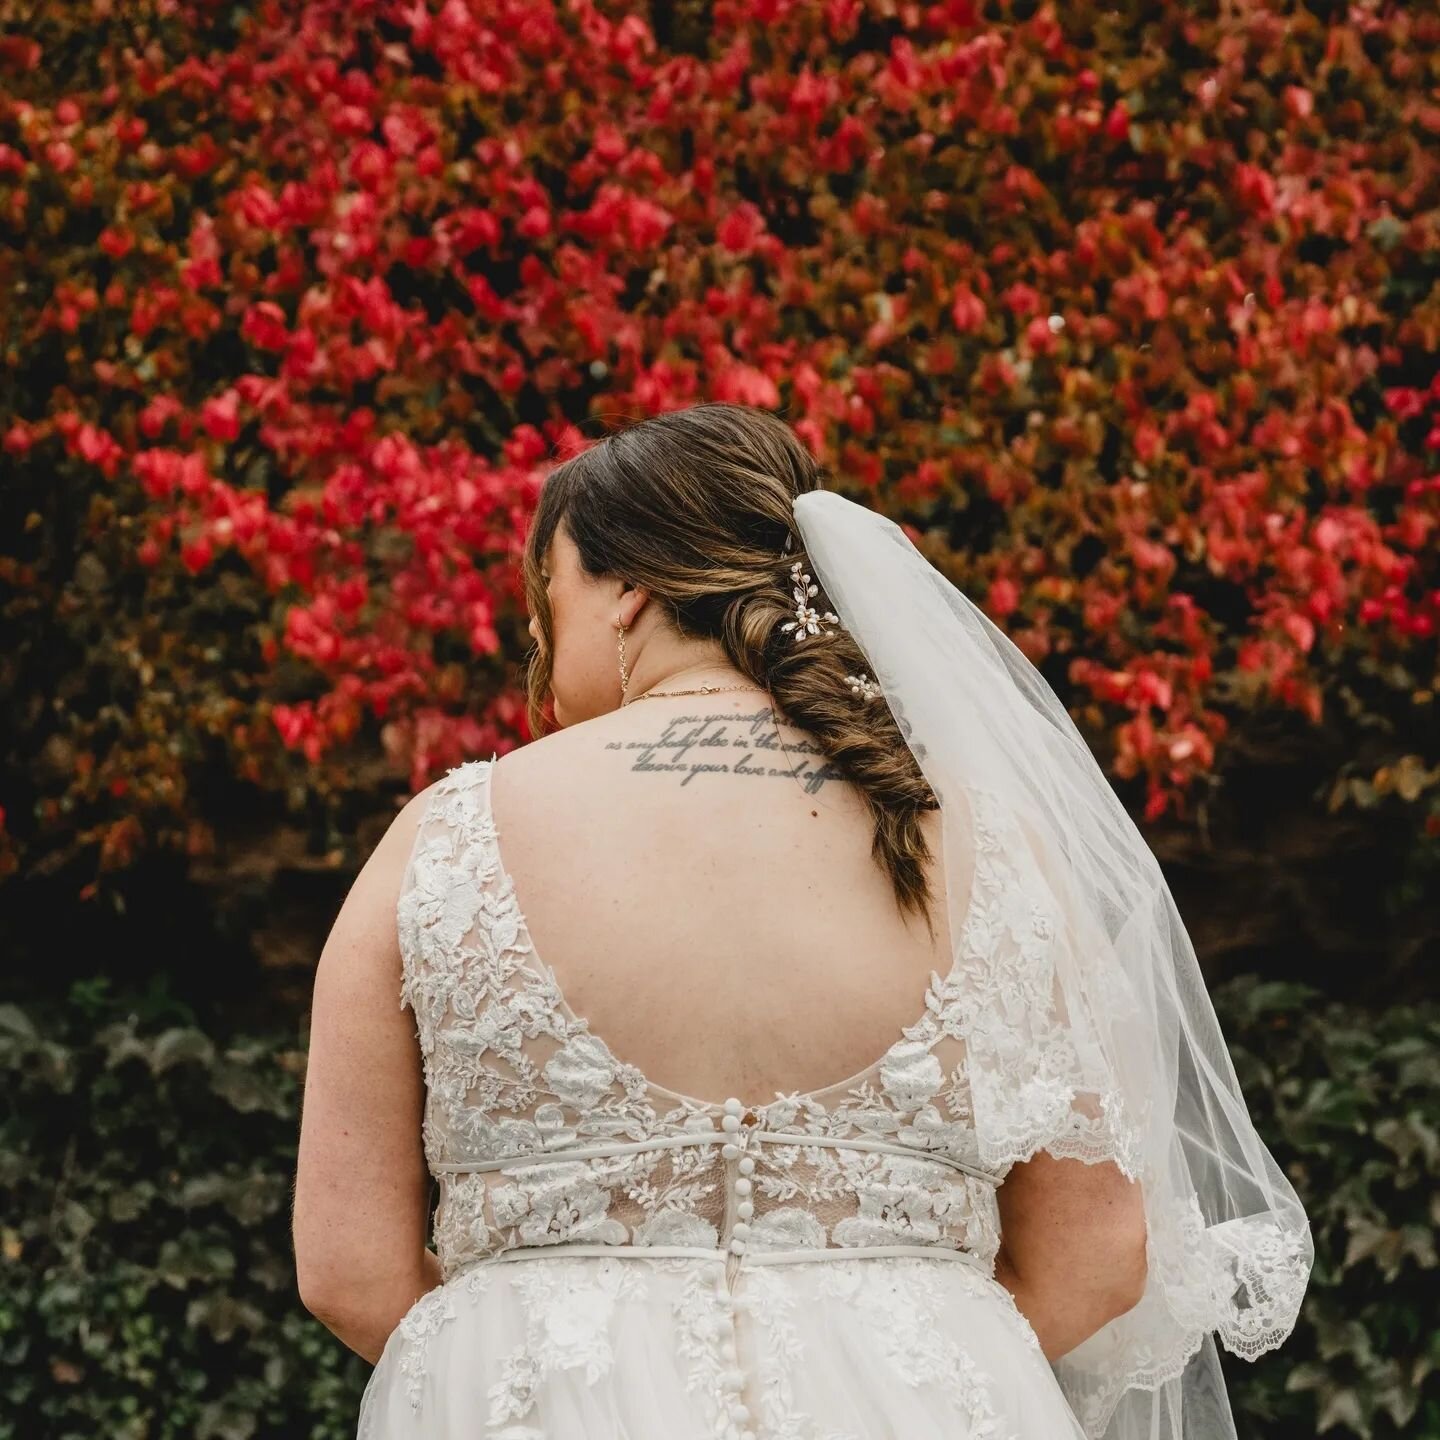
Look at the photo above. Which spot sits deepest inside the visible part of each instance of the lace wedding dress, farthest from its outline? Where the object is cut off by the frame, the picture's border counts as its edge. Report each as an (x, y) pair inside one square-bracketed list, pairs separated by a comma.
[(622, 1262)]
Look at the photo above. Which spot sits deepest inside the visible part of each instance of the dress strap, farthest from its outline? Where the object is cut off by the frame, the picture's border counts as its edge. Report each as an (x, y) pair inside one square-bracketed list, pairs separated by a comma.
[(453, 802)]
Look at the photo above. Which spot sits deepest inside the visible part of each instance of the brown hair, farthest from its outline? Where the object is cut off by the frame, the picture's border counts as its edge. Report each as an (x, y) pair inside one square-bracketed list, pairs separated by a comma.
[(695, 504)]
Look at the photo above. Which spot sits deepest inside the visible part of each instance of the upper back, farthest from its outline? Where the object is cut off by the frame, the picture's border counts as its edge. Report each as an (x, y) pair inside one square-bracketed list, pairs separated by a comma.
[(700, 882)]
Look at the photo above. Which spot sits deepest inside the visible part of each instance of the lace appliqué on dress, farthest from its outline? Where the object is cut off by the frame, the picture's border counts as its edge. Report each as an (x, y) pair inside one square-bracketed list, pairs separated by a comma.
[(901, 1303)]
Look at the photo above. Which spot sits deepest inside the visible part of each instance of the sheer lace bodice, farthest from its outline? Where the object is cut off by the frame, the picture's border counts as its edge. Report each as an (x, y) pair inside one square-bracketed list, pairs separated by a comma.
[(540, 1135)]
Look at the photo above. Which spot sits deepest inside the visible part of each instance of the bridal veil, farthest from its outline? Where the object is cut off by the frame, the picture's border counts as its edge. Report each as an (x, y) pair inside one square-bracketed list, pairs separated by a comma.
[(1100, 1041)]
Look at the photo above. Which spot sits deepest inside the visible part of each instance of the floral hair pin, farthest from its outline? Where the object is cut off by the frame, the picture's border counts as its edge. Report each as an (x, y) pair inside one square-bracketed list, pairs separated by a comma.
[(862, 686), (807, 620)]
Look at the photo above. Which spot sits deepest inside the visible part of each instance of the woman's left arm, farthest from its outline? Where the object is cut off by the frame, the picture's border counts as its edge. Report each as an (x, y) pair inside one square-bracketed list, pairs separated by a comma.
[(1072, 1246), (362, 1187)]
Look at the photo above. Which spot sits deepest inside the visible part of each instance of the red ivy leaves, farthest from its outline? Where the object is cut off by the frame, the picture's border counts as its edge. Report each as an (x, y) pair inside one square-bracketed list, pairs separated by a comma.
[(343, 292)]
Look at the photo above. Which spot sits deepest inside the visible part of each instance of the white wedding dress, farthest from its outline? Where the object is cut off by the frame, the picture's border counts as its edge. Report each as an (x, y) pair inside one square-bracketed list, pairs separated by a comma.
[(622, 1262)]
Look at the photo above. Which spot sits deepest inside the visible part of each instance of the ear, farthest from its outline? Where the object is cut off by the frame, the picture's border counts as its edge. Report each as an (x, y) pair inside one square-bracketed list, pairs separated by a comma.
[(630, 602)]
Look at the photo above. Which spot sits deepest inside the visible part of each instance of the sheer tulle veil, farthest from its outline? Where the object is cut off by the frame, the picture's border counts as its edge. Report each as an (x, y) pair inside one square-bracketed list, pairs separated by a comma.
[(1102, 1042)]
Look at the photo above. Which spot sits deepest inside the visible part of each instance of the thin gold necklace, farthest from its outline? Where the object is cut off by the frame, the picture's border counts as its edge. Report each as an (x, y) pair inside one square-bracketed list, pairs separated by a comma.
[(699, 690)]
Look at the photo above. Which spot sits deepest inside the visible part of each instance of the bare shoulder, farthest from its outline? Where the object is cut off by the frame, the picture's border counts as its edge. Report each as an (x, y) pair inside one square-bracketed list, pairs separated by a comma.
[(569, 786), (556, 758)]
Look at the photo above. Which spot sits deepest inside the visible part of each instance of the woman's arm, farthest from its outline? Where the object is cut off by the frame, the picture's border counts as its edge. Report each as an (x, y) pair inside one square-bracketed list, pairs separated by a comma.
[(1072, 1247), (362, 1188)]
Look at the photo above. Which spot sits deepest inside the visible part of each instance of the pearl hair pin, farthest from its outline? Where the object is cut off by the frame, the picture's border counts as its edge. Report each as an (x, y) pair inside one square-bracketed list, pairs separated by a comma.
[(862, 686), (807, 619)]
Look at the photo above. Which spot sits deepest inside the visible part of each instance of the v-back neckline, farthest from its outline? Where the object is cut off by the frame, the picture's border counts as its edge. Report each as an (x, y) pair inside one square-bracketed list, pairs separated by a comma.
[(790, 1098)]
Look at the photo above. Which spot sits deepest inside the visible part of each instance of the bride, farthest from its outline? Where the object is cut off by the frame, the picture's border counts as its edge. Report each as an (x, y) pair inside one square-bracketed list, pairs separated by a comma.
[(802, 1038)]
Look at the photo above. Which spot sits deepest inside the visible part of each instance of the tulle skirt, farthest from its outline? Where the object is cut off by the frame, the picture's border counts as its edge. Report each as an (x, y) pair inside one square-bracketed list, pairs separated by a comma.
[(640, 1345)]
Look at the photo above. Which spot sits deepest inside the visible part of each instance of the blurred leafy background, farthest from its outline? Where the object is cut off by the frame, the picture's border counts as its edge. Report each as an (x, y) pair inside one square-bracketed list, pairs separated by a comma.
[(1129, 313)]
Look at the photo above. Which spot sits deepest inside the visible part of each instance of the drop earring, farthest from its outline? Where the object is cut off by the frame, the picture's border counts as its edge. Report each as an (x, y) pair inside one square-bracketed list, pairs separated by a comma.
[(624, 674)]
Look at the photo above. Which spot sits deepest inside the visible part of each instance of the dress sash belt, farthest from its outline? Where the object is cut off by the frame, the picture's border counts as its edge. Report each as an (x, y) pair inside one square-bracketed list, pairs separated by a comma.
[(703, 1137)]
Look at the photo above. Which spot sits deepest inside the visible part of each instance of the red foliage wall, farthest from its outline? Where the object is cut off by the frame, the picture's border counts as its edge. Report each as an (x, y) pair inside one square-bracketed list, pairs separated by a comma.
[(1129, 314)]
